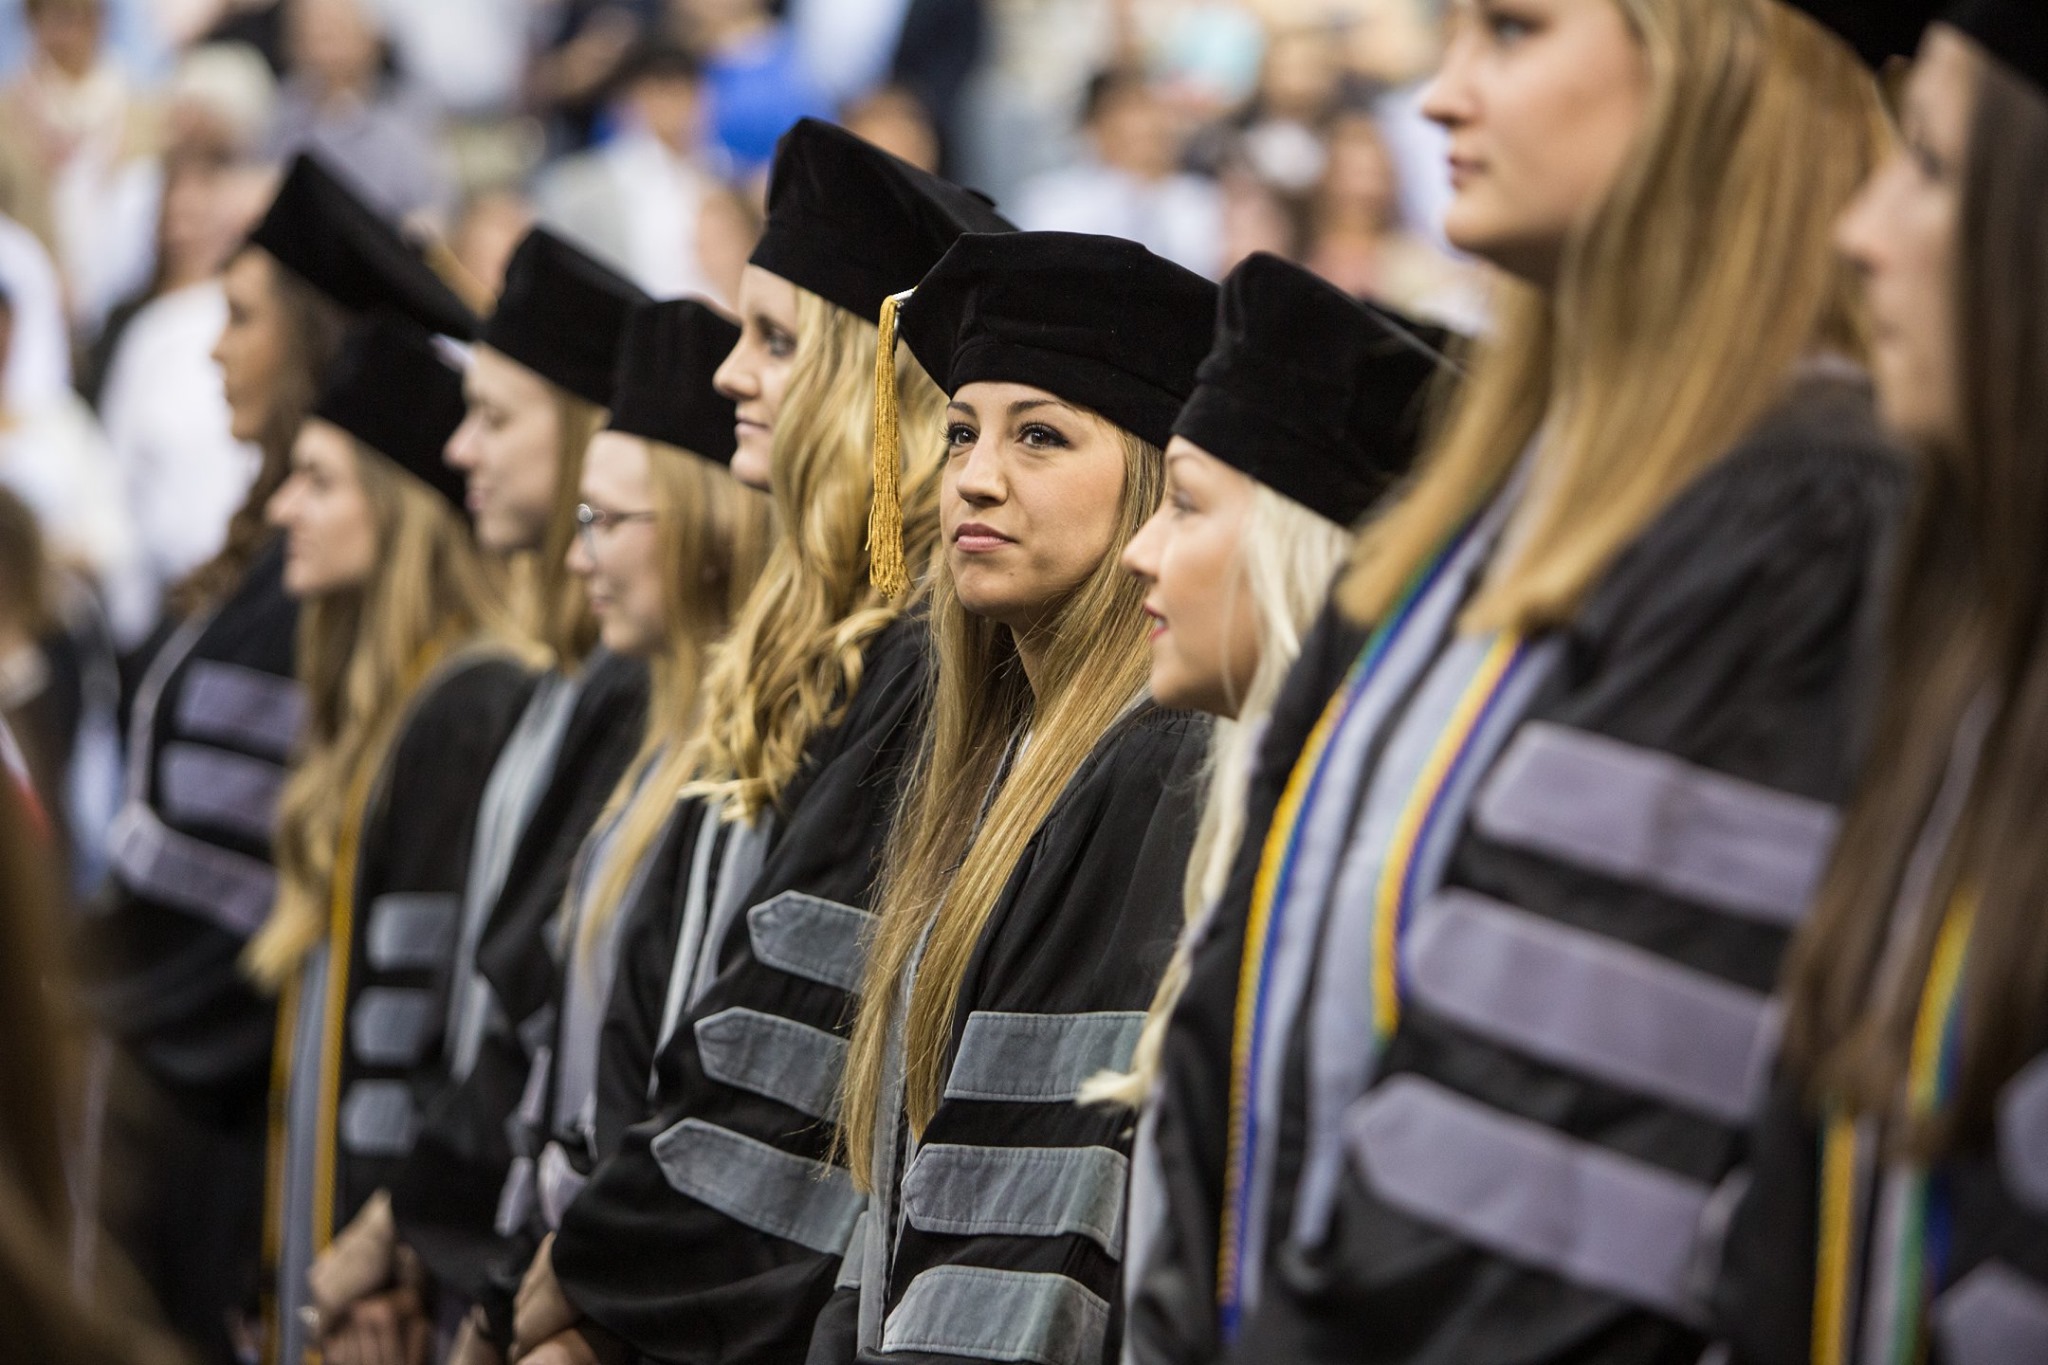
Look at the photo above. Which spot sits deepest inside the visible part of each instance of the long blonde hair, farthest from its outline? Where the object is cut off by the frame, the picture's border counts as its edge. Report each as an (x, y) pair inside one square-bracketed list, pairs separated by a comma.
[(954, 845), (715, 536), (1285, 561), (1681, 314), (794, 655), (555, 606), (359, 656)]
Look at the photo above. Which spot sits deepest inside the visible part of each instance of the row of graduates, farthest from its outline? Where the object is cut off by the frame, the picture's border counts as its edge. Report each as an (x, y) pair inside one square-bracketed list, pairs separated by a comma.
[(1083, 932)]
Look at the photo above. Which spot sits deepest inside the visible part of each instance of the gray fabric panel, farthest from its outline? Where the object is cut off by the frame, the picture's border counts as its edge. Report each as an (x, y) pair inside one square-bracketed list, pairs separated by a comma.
[(849, 1264), (965, 1310), (766, 1188), (1590, 1215), (411, 931), (1018, 1192), (2023, 1134), (217, 884), (202, 785), (810, 937), (245, 705), (1590, 1004), (377, 1118), (387, 1025), (1993, 1316), (1039, 1058), (1646, 817), (794, 1063)]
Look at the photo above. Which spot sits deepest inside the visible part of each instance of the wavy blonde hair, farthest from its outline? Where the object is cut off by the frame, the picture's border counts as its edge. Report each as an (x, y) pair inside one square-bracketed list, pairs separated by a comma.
[(794, 655), (954, 845), (716, 535), (1681, 314), (552, 600), (359, 657), (1286, 559)]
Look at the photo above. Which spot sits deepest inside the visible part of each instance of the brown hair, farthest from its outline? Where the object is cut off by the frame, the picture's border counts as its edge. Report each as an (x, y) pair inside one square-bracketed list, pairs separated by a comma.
[(25, 587), (1652, 356), (312, 331), (1969, 620)]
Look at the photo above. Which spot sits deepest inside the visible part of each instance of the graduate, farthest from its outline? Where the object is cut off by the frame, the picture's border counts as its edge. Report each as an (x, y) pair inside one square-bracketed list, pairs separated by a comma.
[(1462, 1069), (535, 388), (212, 726), (671, 546), (413, 677), (717, 1229), (1309, 408), (1897, 1210), (1030, 900)]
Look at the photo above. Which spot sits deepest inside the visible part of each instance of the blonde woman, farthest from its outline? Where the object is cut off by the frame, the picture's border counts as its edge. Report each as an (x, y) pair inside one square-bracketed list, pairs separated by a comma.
[(722, 1248), (1310, 408), (1029, 902), (1491, 979), (670, 547), (411, 684)]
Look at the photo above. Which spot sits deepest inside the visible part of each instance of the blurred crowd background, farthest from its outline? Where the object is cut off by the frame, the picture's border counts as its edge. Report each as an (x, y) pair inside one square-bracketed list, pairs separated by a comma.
[(140, 139)]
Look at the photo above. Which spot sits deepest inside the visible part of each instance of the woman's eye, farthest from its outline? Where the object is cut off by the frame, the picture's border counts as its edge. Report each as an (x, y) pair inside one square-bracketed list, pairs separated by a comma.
[(1507, 29), (1180, 504), (959, 435), (781, 345), (1041, 436)]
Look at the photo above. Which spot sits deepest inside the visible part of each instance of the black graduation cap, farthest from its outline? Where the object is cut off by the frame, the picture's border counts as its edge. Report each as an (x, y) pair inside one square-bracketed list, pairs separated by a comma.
[(327, 234), (1312, 393), (853, 224), (663, 389), (1099, 321), (392, 390), (1879, 30), (562, 315), (2014, 31)]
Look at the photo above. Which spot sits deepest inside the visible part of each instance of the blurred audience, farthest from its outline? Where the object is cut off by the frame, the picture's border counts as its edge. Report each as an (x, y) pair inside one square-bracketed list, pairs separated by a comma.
[(755, 78), (486, 232)]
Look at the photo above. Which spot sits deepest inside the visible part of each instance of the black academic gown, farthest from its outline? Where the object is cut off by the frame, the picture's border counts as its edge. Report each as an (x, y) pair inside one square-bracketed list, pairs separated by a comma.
[(211, 731), (1552, 1136), (716, 1230), (382, 1035), (445, 1198), (997, 1235)]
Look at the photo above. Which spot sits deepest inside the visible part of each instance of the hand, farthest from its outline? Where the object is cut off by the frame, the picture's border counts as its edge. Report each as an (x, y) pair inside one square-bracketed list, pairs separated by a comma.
[(359, 1262), (579, 1346), (390, 1328), (540, 1311), (472, 1347)]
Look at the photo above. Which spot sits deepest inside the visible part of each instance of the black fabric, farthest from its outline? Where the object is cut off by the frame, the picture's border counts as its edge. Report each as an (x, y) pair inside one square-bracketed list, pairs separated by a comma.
[(2014, 31), (1086, 923), (1730, 635), (562, 314), (853, 224), (663, 391), (390, 389), (1309, 391), (328, 234), (1879, 30), (1098, 321), (416, 838), (675, 1278)]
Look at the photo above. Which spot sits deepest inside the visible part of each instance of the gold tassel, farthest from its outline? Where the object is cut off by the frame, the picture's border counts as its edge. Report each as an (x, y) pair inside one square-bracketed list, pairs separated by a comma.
[(886, 568)]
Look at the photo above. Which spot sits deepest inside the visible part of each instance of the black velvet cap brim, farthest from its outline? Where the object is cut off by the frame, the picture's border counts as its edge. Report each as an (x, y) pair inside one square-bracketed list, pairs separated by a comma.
[(2013, 31), (663, 390), (562, 315), (1879, 30), (391, 390), (325, 233), (1240, 431)]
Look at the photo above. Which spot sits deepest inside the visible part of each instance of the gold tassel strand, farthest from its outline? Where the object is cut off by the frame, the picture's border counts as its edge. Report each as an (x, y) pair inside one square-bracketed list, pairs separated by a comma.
[(886, 568)]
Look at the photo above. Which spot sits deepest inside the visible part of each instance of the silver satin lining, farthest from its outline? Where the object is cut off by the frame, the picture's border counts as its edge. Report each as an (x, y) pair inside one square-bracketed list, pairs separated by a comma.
[(2023, 1135), (780, 1059), (984, 1314), (1582, 1001), (1994, 1315), (810, 937), (203, 785), (1655, 820), (807, 1202), (301, 1134), (377, 1118), (387, 1025), (213, 883), (1018, 1192), (244, 705), (1039, 1058), (1585, 1213), (411, 930)]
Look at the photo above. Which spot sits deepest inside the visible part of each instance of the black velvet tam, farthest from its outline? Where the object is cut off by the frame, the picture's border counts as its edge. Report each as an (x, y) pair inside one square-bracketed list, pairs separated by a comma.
[(1879, 30), (853, 224), (1098, 321), (562, 315), (391, 389), (325, 232), (663, 390), (2014, 31), (1312, 393)]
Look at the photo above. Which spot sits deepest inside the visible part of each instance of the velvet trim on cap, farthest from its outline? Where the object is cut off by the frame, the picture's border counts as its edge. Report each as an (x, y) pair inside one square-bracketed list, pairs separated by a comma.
[(663, 389), (562, 314), (2013, 31), (393, 391)]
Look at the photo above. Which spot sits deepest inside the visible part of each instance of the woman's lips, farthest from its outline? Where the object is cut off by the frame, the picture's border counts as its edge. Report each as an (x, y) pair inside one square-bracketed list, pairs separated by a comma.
[(975, 538), (1158, 623)]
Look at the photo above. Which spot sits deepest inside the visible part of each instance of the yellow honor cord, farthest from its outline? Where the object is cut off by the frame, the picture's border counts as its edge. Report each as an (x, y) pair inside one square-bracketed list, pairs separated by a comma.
[(886, 567)]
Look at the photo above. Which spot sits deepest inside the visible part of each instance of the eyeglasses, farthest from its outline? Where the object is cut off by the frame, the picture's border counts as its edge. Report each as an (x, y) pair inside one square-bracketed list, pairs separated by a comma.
[(590, 520)]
